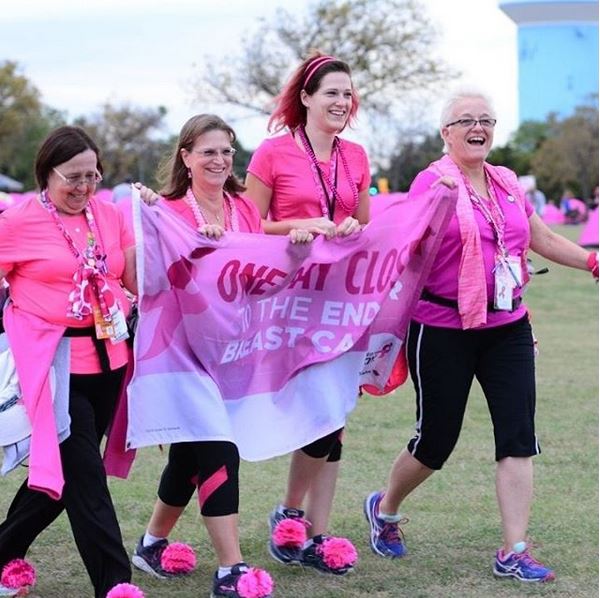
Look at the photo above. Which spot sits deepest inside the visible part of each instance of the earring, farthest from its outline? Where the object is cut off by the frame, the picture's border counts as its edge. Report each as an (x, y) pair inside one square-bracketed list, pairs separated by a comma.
[(189, 173)]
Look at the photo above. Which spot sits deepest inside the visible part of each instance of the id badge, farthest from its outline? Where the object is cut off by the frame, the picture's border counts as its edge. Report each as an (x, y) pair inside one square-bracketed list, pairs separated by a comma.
[(104, 329), (503, 286), (514, 263), (119, 325)]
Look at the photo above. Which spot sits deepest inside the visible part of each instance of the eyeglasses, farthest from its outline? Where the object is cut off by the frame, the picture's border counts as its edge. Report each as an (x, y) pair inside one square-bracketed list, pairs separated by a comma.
[(74, 180), (468, 123), (210, 152)]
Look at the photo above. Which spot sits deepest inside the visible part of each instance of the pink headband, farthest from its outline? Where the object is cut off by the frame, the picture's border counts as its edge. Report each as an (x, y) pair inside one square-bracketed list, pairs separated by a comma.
[(316, 64)]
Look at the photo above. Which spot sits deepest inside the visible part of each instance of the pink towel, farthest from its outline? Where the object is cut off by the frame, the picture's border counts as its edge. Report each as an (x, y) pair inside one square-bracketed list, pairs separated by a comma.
[(472, 292)]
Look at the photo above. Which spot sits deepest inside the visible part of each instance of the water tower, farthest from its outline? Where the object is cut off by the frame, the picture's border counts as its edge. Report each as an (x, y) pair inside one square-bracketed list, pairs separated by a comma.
[(558, 55)]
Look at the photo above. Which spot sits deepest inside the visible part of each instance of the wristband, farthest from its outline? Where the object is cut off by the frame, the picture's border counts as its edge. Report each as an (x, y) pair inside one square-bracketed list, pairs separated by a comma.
[(592, 264)]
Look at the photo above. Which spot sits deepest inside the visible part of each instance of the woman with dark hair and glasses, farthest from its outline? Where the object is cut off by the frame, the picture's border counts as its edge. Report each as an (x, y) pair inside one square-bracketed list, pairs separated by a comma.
[(66, 258), (471, 323), (200, 186), (311, 179)]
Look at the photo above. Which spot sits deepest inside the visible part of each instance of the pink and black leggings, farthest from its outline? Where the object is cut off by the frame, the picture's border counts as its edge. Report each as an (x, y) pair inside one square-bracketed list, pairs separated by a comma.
[(210, 466)]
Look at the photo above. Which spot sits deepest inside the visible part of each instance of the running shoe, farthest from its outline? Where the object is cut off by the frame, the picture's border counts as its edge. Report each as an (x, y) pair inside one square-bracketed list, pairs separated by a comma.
[(521, 566), (386, 538)]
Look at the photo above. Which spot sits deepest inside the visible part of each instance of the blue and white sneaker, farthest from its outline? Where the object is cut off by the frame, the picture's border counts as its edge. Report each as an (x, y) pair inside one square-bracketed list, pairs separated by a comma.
[(521, 566), (386, 538)]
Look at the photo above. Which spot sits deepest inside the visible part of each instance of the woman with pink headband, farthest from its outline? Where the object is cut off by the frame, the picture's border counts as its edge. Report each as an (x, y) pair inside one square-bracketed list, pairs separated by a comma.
[(310, 179)]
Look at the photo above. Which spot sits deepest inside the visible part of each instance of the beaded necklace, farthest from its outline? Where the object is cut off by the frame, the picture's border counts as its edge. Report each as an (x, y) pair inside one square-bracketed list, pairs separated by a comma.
[(230, 214), (323, 181)]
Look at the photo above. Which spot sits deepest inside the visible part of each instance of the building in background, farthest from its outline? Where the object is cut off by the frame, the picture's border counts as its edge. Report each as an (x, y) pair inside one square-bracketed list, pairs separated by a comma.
[(558, 55)]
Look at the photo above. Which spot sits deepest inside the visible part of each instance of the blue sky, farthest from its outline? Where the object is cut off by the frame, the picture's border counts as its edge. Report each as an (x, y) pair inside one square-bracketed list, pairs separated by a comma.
[(148, 52)]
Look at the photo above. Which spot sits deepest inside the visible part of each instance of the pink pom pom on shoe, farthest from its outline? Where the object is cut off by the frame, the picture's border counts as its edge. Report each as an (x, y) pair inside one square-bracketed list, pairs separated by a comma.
[(18, 574), (255, 583), (125, 590), (338, 553), (290, 532), (178, 558)]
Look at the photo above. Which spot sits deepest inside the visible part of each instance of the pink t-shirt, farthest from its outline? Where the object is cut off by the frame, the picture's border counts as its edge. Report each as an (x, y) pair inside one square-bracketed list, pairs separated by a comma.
[(40, 268), (443, 278), (247, 213), (282, 166)]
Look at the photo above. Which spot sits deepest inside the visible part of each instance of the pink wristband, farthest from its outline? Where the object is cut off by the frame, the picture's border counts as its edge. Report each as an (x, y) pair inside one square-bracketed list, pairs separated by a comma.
[(592, 264)]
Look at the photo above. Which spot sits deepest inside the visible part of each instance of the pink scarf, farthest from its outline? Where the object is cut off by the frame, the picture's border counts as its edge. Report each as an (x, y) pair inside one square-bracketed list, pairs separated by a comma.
[(472, 292)]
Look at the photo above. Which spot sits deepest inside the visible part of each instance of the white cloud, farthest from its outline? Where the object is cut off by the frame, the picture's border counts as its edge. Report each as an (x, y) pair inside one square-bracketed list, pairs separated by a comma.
[(81, 54)]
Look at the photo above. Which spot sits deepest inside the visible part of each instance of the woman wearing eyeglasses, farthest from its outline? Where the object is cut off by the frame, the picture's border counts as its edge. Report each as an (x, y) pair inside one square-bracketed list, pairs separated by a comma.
[(471, 323), (66, 258), (201, 187), (309, 178)]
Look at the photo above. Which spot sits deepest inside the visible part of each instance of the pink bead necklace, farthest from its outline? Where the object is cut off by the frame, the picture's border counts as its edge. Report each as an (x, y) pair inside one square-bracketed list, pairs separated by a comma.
[(230, 215)]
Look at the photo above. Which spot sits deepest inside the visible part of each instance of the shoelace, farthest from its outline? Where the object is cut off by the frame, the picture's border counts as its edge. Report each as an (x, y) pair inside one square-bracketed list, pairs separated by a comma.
[(305, 522), (528, 559)]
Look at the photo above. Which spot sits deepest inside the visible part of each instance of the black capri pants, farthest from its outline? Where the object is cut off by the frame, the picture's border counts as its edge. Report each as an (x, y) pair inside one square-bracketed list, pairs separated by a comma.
[(329, 446), (210, 466), (443, 363)]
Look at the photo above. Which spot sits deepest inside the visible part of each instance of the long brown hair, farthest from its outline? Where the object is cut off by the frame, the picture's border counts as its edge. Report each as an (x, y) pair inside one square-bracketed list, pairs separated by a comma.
[(173, 173)]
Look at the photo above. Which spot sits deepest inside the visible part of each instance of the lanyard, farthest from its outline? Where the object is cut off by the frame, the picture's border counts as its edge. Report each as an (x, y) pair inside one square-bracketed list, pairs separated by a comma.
[(230, 215), (323, 181), (492, 212), (92, 255), (92, 268)]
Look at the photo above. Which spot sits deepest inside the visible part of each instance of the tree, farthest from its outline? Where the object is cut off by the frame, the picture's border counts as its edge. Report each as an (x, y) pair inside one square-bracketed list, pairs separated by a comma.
[(124, 135), (24, 122), (388, 44), (409, 159), (522, 145), (569, 156), (26, 144)]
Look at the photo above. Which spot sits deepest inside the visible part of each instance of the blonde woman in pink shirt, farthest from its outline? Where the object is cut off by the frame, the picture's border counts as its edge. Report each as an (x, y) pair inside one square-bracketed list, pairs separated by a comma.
[(471, 322), (67, 258), (310, 179)]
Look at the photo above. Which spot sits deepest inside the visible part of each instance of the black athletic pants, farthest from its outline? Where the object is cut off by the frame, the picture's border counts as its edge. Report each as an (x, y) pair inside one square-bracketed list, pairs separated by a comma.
[(85, 497)]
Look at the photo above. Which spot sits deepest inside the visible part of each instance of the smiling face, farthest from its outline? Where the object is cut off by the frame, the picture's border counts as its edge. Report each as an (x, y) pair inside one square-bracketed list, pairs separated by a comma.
[(66, 197), (328, 108), (208, 160), (469, 146)]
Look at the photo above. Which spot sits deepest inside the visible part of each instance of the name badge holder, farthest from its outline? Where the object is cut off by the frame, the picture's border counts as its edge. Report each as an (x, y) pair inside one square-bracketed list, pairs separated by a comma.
[(507, 269)]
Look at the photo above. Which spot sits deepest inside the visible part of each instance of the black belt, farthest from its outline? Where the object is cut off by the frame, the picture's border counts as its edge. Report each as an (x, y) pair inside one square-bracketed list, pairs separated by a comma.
[(99, 344), (431, 298)]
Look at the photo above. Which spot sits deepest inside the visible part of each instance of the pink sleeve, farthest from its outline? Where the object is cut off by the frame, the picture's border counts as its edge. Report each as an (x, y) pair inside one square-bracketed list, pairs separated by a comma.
[(126, 228), (8, 245), (365, 181), (250, 219), (261, 164), (422, 183)]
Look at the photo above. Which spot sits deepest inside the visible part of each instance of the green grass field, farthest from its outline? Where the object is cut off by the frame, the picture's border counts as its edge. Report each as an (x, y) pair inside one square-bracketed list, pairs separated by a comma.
[(454, 524)]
